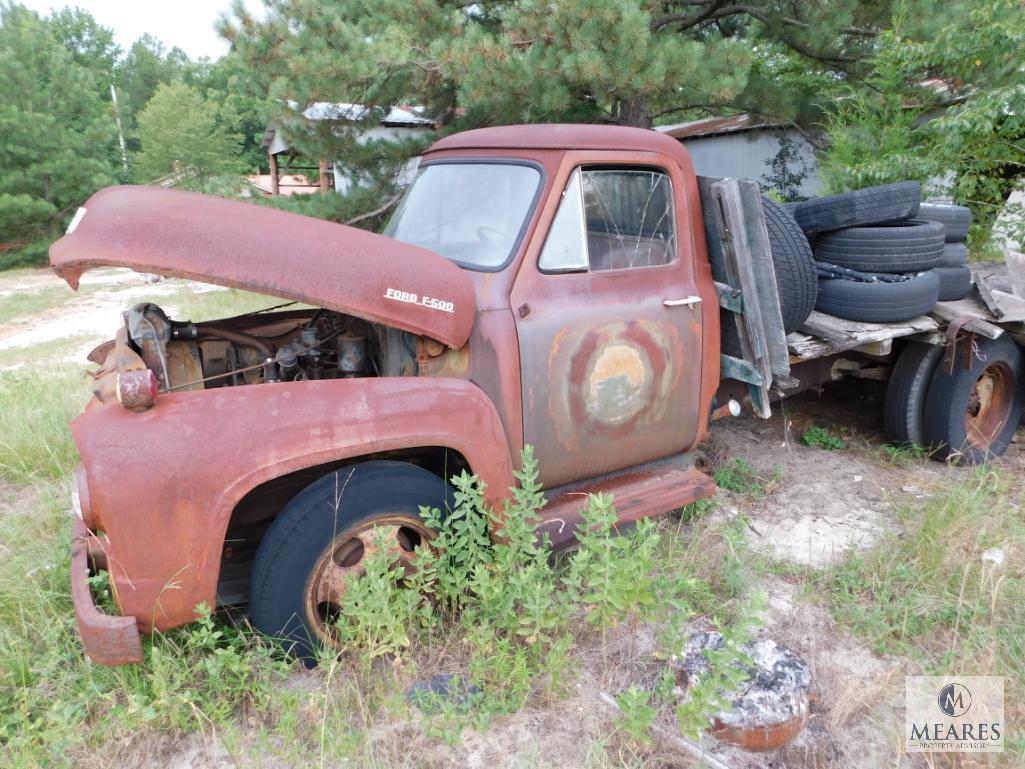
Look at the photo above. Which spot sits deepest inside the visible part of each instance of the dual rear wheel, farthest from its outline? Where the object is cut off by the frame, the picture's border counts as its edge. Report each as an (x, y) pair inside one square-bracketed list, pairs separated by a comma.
[(966, 416)]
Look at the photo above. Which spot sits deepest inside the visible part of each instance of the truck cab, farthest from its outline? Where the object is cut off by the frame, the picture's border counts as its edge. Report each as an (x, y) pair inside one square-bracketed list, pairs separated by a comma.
[(596, 334)]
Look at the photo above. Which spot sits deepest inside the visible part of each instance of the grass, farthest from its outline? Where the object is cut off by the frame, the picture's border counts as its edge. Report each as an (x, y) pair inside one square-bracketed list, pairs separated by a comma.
[(188, 305), (929, 594), (24, 304), (213, 677), (36, 404)]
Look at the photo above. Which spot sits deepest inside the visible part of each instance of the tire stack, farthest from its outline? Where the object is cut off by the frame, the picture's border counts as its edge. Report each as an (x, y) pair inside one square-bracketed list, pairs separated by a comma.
[(882, 256), (955, 277)]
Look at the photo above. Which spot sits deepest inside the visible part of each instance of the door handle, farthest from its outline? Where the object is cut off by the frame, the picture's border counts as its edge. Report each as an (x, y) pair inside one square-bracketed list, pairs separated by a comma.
[(688, 301)]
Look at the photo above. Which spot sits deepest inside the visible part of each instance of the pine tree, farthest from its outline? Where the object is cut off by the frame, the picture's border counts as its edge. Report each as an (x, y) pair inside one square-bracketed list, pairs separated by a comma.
[(629, 62), (58, 136)]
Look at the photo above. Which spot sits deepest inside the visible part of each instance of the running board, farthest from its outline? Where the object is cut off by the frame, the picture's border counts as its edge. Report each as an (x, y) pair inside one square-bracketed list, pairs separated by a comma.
[(635, 495)]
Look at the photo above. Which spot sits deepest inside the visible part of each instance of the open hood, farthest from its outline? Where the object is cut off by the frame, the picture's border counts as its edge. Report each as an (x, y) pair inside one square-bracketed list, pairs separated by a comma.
[(260, 249)]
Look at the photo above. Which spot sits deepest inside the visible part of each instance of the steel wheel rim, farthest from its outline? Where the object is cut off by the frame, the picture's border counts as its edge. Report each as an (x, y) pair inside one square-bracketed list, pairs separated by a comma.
[(344, 557), (989, 406)]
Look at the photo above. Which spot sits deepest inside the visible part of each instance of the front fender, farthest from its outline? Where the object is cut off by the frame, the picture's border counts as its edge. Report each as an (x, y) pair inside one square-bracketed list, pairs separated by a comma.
[(163, 483)]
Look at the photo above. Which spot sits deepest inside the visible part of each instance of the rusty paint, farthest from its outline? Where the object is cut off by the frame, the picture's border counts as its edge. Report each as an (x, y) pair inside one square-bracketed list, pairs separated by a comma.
[(166, 523), (618, 384), (107, 640), (242, 245), (597, 374)]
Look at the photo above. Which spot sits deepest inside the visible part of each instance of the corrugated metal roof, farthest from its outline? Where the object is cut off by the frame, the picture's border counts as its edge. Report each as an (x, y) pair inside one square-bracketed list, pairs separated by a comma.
[(715, 126), (396, 116)]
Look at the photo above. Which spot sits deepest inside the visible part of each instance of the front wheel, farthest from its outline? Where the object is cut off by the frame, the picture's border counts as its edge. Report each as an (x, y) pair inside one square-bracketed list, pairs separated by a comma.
[(972, 413), (323, 537)]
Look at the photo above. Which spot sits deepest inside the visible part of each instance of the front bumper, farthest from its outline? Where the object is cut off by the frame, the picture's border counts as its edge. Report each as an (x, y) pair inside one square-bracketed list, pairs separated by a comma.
[(107, 639)]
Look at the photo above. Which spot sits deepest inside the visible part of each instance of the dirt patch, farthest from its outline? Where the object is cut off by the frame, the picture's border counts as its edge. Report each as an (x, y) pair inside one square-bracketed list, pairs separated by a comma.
[(91, 314)]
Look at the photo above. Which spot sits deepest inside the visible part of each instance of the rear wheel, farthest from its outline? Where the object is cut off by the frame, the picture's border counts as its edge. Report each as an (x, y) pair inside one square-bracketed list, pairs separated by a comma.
[(971, 414), (323, 537), (906, 390)]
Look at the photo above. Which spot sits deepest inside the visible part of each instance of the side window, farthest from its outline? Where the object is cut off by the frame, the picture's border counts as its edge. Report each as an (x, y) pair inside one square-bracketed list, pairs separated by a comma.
[(612, 219)]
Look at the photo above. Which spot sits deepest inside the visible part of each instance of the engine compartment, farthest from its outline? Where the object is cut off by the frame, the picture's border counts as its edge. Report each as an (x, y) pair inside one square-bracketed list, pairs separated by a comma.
[(262, 347)]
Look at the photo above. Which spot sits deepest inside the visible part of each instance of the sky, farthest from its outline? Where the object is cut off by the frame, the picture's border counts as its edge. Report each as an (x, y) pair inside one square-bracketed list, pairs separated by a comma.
[(188, 24)]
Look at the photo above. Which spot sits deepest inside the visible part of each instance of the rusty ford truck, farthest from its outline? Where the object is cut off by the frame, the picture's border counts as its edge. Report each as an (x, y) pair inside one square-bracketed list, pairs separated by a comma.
[(541, 285)]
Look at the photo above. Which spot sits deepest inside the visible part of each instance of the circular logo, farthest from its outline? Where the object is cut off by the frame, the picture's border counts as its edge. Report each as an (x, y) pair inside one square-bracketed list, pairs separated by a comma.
[(955, 700)]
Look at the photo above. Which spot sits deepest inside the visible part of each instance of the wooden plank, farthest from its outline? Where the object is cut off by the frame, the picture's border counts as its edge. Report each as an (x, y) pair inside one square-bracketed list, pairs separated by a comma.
[(948, 311), (826, 327), (985, 292), (1012, 308), (825, 335), (760, 253), (729, 219)]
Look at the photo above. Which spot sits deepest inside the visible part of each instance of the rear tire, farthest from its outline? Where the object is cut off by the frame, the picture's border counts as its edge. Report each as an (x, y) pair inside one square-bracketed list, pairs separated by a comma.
[(340, 510), (971, 414), (906, 391)]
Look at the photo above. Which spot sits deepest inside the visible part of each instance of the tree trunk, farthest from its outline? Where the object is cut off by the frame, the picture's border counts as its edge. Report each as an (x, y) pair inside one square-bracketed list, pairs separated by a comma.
[(634, 111)]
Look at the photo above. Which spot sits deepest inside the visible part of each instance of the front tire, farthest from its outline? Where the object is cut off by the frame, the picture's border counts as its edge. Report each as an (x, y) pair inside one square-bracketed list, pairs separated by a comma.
[(322, 536)]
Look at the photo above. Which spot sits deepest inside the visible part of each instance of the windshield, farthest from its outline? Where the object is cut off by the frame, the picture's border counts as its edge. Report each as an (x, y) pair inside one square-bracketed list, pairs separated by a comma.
[(472, 213)]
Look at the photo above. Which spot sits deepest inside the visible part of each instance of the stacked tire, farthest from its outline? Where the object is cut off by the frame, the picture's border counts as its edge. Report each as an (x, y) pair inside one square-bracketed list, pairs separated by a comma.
[(954, 274), (882, 255)]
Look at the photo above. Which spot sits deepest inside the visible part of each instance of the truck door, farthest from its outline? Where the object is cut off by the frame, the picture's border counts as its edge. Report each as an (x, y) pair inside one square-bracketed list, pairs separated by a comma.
[(609, 321)]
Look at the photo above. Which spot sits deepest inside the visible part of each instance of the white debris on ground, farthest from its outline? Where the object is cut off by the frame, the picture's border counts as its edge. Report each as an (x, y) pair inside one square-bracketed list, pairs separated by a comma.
[(774, 691)]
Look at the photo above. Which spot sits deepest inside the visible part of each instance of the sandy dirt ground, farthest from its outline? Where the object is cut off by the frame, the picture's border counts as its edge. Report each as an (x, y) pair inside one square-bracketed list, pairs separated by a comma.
[(90, 315), (817, 506)]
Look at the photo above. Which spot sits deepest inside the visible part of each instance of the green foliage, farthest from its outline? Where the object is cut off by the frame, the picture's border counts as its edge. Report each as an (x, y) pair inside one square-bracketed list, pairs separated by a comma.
[(740, 477), (820, 437), (629, 62), (943, 102), (181, 135), (145, 67), (517, 614), (614, 575), (244, 112), (728, 671), (373, 615), (637, 714), (58, 136)]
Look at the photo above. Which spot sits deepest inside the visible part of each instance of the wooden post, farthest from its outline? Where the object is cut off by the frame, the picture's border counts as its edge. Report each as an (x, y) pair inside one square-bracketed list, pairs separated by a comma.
[(325, 185), (274, 190)]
